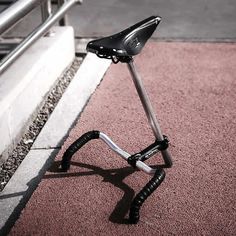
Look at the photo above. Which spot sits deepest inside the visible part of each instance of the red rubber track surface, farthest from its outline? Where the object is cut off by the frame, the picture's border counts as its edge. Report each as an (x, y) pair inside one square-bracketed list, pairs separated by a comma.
[(193, 90)]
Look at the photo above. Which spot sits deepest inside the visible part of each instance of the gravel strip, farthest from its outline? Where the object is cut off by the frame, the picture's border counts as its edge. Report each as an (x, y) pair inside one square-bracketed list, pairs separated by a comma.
[(8, 168)]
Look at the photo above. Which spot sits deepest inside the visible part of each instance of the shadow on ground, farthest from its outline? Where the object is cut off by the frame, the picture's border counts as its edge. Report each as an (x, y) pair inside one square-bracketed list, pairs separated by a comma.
[(113, 176)]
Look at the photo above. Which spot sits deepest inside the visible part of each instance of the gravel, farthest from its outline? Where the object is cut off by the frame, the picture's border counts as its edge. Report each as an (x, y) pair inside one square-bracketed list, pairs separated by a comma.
[(8, 168)]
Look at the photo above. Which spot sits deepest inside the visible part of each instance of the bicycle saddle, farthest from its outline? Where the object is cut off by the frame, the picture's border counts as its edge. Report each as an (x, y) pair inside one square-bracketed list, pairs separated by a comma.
[(127, 43)]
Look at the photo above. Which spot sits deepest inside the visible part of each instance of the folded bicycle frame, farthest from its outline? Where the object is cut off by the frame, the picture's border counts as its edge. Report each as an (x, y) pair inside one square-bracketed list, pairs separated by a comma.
[(161, 142)]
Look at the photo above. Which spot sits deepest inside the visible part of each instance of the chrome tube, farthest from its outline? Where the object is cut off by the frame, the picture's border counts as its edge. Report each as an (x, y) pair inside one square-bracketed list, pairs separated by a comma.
[(125, 155), (15, 12), (148, 110), (64, 20), (46, 9), (35, 35), (145, 102)]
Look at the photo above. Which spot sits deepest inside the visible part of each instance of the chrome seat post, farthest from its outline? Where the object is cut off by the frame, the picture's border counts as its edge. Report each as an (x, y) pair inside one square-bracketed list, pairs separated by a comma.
[(148, 110)]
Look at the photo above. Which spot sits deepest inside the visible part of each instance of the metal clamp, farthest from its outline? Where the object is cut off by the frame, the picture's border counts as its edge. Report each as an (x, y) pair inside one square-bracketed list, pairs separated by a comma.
[(149, 151)]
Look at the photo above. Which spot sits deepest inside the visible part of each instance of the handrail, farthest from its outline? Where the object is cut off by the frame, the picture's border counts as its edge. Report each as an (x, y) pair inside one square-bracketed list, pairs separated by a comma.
[(15, 13), (36, 34)]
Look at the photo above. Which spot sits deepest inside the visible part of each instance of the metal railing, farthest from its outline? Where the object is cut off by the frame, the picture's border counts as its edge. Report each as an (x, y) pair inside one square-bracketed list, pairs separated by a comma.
[(13, 14)]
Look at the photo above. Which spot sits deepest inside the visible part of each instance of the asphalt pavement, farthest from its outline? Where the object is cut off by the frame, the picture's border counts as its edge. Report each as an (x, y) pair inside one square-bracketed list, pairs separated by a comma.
[(211, 20)]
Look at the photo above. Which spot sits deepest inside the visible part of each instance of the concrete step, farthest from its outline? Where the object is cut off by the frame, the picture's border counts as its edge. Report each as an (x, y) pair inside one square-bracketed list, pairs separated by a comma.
[(25, 84)]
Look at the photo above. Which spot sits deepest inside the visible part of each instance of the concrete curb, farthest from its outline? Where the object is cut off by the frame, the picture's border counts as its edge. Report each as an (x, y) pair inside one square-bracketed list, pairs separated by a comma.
[(21, 186), (28, 80)]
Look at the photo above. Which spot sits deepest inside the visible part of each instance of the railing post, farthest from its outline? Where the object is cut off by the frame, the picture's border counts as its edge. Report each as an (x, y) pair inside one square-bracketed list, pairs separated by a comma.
[(46, 9), (64, 20)]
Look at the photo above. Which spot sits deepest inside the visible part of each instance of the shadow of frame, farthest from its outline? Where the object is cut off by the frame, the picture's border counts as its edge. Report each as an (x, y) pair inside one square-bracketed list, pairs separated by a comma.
[(113, 176)]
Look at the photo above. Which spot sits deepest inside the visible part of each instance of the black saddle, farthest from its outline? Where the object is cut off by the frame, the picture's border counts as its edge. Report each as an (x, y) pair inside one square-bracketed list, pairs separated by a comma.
[(127, 43)]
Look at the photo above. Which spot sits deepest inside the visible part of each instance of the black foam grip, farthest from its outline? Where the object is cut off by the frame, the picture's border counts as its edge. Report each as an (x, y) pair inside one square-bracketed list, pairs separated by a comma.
[(148, 189), (74, 147)]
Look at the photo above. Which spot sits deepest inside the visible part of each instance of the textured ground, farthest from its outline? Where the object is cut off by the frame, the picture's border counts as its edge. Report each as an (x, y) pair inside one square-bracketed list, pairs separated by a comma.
[(193, 89)]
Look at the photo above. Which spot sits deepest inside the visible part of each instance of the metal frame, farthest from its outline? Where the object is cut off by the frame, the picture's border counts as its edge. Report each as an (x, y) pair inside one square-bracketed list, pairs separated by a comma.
[(151, 119)]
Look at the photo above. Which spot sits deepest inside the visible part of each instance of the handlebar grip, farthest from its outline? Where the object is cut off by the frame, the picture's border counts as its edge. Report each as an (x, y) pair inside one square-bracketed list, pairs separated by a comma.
[(74, 147), (140, 198)]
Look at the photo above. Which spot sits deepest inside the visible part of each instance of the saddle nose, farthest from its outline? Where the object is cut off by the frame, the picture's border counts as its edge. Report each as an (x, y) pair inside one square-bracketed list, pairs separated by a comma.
[(126, 43)]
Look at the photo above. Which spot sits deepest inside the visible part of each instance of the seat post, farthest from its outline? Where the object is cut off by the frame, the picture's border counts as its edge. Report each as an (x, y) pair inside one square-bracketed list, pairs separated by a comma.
[(148, 110)]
